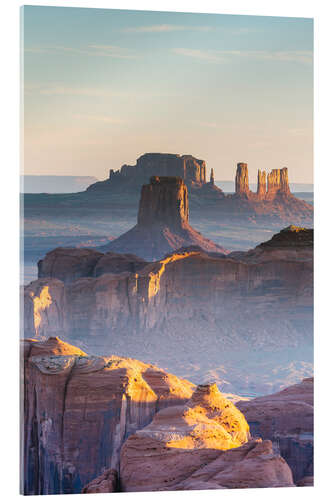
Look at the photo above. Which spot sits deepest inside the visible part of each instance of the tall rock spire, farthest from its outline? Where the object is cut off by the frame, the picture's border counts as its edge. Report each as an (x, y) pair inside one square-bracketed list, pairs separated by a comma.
[(242, 179), (212, 181), (261, 187)]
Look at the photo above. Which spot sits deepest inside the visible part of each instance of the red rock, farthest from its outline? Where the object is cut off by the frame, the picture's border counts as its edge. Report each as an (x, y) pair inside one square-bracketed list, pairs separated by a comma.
[(105, 483), (179, 297), (163, 223), (305, 481), (242, 179), (79, 409), (286, 418), (199, 446), (68, 264)]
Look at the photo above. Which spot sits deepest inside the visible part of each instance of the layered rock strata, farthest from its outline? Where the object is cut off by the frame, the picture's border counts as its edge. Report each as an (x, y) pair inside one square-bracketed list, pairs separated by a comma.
[(163, 223), (187, 167), (186, 447), (179, 297), (286, 418), (79, 409)]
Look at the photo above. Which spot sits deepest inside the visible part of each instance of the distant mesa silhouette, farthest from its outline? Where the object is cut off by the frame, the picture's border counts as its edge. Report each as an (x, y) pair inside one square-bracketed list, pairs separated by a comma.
[(272, 202)]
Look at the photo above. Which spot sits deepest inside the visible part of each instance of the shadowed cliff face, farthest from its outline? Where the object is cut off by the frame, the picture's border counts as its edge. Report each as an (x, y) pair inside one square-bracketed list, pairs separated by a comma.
[(286, 418), (79, 409), (162, 223)]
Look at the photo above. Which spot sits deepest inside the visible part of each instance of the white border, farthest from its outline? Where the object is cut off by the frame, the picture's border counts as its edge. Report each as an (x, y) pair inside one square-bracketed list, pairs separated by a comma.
[(9, 31)]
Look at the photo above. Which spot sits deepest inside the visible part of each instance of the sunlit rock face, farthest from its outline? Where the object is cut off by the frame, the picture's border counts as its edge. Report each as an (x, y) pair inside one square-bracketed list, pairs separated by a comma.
[(44, 307), (242, 179), (79, 409), (286, 418), (163, 223), (185, 447)]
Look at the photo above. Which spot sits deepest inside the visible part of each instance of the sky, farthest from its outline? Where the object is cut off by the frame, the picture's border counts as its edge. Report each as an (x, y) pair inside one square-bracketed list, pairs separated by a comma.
[(102, 87)]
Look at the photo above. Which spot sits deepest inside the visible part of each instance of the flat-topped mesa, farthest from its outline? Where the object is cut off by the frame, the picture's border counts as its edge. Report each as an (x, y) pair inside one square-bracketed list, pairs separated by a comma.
[(242, 179), (277, 182), (261, 188), (164, 201), (190, 169)]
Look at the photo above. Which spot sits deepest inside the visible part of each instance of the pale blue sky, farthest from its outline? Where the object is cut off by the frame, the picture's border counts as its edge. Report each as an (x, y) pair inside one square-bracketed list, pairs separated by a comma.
[(103, 87)]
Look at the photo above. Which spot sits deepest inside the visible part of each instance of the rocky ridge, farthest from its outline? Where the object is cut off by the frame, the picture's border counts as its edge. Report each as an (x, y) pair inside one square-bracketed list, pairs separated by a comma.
[(79, 409)]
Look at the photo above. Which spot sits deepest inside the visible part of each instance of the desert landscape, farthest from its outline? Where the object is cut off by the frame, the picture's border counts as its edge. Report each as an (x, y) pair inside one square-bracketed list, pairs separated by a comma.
[(167, 243)]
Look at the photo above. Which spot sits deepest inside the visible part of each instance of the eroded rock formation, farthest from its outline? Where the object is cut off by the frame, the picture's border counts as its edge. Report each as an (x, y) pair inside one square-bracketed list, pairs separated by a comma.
[(286, 418), (271, 203), (186, 447), (242, 179), (187, 167), (70, 264), (163, 223), (270, 287), (79, 409)]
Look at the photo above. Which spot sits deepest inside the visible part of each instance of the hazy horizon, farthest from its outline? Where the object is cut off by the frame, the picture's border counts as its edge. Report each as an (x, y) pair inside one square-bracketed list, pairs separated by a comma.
[(103, 87)]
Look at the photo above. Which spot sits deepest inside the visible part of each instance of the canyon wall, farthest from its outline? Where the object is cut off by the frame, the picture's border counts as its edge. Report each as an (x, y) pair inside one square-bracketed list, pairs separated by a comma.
[(183, 295), (79, 409), (286, 418)]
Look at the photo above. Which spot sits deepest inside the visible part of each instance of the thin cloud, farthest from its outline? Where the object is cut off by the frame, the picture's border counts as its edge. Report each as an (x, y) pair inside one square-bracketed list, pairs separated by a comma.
[(165, 28), (76, 91), (112, 51), (221, 56), (205, 55)]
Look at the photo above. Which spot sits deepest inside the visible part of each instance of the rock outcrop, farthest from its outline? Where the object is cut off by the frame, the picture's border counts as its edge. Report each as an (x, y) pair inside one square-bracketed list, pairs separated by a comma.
[(242, 179), (286, 418), (105, 483), (185, 447), (70, 264), (187, 167), (258, 300), (261, 186), (163, 223), (272, 203), (79, 409)]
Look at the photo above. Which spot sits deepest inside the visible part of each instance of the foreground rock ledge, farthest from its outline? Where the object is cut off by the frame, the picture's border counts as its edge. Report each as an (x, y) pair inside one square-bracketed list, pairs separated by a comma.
[(200, 445)]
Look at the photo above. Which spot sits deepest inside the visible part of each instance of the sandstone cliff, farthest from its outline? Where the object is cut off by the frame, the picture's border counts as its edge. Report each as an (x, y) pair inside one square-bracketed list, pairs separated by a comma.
[(261, 299), (79, 409), (286, 418), (185, 447), (163, 223)]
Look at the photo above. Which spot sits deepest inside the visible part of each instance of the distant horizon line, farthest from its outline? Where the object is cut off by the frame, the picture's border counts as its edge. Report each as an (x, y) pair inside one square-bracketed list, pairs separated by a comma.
[(94, 176)]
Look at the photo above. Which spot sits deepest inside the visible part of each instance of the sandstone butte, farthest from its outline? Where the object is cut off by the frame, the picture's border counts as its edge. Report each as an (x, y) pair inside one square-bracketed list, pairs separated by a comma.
[(187, 292), (272, 200), (162, 224), (200, 445), (286, 418), (79, 409), (186, 447)]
